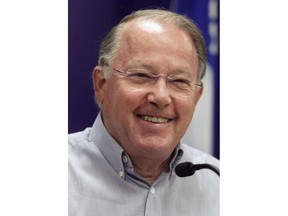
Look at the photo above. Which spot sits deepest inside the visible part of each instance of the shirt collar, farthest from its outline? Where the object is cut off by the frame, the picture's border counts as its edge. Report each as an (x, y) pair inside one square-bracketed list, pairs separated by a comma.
[(178, 153), (109, 148), (115, 154)]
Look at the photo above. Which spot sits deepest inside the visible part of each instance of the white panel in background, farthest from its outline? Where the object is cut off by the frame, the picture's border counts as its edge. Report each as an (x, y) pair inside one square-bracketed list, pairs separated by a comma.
[(200, 132)]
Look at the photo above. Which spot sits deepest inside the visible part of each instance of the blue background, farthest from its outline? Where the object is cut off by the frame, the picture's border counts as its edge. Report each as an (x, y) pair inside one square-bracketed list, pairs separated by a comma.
[(90, 20)]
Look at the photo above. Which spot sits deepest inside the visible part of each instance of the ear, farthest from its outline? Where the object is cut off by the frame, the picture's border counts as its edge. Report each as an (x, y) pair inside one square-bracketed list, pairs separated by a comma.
[(99, 84)]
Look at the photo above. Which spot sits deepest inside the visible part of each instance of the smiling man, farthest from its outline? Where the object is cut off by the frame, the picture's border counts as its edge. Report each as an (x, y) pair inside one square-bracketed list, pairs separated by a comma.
[(147, 84)]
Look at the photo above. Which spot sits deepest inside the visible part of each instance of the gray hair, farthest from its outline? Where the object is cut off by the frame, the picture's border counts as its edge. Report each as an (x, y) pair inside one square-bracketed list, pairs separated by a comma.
[(110, 44)]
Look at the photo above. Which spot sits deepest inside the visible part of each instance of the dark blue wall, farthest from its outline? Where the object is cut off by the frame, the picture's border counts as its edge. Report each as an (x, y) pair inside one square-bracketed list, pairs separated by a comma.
[(88, 23)]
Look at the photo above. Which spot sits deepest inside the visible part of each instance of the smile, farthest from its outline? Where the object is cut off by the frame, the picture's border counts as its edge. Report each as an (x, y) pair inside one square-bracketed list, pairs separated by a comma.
[(154, 119)]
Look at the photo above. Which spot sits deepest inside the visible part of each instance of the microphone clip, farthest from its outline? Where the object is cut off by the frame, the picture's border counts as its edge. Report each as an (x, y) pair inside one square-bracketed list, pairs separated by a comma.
[(188, 169)]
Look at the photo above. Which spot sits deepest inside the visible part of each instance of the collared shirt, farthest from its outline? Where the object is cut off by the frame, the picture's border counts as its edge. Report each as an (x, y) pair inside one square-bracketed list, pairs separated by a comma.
[(102, 181)]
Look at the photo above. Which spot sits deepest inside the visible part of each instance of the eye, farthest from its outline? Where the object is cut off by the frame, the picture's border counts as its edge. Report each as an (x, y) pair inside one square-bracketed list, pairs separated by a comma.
[(139, 74), (180, 81)]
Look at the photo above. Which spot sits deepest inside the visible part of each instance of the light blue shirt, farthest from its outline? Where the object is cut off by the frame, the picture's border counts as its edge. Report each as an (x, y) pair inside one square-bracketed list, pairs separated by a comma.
[(102, 181)]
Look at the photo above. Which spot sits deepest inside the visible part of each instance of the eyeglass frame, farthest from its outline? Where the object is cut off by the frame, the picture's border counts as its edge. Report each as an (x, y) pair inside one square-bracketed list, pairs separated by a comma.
[(155, 77)]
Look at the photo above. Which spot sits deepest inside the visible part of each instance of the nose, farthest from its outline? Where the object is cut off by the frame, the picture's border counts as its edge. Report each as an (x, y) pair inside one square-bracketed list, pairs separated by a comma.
[(159, 94)]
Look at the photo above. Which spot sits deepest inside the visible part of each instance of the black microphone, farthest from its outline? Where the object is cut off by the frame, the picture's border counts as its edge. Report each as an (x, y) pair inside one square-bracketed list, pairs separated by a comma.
[(187, 169)]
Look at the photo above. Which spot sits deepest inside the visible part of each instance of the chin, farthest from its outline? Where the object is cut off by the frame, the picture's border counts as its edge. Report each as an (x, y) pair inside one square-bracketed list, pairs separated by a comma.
[(155, 146)]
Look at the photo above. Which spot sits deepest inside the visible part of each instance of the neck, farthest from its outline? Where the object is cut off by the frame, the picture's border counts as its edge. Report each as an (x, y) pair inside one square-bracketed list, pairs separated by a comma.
[(149, 169)]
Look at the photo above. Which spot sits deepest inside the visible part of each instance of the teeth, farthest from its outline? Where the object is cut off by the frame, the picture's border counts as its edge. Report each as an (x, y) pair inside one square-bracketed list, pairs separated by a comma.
[(155, 119)]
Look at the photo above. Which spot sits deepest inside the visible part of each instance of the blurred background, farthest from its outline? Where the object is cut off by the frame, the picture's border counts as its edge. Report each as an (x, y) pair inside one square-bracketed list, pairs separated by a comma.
[(90, 20)]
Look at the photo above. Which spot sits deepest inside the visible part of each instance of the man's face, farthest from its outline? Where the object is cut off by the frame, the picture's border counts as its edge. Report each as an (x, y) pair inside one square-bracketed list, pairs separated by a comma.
[(127, 111)]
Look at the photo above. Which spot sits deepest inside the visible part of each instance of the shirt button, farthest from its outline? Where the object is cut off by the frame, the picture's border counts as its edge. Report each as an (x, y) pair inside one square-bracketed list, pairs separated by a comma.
[(121, 174), (152, 190), (124, 159)]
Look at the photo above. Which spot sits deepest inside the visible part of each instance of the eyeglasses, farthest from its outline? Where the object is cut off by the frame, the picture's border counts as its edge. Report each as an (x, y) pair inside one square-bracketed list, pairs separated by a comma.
[(177, 83)]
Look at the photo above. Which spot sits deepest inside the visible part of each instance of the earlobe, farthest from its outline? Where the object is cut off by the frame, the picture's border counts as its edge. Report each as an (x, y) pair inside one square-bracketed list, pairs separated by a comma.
[(99, 84)]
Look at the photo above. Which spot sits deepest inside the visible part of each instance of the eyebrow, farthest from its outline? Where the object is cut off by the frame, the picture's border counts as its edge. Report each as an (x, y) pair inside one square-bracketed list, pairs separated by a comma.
[(140, 65), (183, 72)]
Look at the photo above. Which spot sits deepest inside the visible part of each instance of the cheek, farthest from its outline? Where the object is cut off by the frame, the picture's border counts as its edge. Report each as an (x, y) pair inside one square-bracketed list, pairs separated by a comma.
[(185, 110), (111, 100), (186, 106), (120, 99), (114, 91)]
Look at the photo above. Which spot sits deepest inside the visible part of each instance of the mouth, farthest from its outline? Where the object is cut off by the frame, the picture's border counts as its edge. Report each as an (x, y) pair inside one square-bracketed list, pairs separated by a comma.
[(154, 119)]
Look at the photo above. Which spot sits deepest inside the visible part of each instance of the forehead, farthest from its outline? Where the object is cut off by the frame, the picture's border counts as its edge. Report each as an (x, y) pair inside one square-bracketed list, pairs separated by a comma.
[(149, 26), (154, 42), (138, 29), (153, 28)]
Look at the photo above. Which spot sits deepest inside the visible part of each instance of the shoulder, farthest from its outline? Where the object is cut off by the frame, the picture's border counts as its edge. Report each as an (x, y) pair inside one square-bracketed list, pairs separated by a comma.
[(75, 139), (197, 156)]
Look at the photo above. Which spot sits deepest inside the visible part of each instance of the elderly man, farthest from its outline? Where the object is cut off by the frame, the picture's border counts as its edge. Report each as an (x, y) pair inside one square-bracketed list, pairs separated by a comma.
[(147, 85)]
